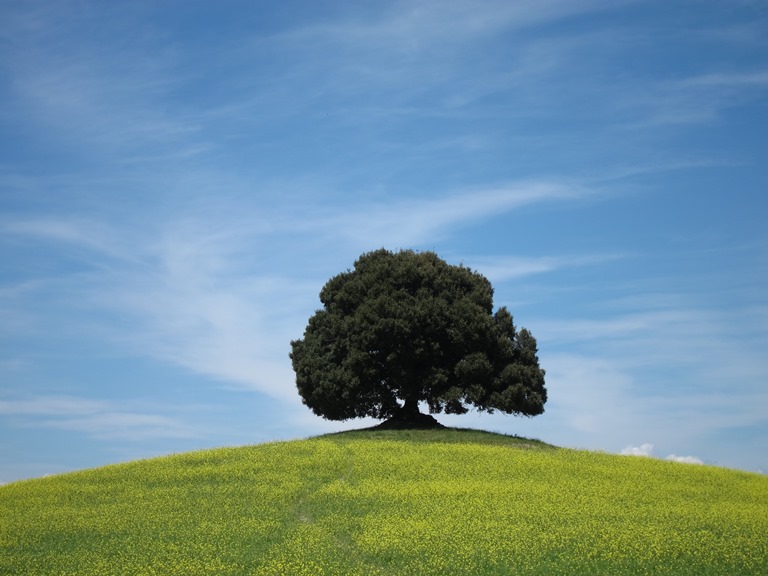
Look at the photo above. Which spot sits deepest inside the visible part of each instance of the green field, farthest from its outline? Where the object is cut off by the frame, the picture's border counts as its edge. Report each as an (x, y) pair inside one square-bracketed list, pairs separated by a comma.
[(397, 502)]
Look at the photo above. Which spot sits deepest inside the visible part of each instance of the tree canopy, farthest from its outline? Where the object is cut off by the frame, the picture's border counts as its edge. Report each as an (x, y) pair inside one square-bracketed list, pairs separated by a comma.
[(404, 328)]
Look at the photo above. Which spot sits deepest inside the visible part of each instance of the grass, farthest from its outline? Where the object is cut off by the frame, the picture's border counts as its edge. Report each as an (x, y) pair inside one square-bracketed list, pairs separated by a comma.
[(371, 502)]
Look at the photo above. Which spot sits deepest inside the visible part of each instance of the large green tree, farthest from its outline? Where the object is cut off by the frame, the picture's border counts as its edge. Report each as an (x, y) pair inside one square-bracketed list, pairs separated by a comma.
[(406, 327)]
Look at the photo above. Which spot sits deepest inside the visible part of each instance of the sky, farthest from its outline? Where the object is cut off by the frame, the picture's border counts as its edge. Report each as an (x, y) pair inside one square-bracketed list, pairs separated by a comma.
[(178, 180)]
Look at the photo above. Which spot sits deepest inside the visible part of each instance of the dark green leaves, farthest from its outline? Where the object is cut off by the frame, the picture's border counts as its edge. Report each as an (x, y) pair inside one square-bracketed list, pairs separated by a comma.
[(408, 327)]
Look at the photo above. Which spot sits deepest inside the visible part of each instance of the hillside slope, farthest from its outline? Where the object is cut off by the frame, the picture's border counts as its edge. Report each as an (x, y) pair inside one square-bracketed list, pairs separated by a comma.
[(397, 502)]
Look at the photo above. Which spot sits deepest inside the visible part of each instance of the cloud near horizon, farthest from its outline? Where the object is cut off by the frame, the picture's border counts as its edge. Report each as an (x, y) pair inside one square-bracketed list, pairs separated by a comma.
[(646, 450)]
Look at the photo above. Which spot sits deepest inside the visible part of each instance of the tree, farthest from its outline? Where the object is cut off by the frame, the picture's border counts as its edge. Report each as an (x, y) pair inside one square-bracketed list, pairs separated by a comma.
[(404, 328)]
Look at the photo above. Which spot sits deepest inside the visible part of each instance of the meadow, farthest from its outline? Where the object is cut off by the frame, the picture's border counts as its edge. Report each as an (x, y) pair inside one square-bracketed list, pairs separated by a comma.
[(448, 502)]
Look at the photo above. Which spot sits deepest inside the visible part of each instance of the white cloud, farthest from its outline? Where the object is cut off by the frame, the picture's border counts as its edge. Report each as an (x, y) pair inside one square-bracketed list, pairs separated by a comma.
[(642, 450), (646, 450), (685, 459)]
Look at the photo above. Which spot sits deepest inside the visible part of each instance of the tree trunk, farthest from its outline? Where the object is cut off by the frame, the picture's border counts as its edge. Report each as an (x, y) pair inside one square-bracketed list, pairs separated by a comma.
[(410, 409), (409, 417)]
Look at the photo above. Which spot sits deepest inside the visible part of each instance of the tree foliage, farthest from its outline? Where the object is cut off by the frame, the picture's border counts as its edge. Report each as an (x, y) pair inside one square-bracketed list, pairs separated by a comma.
[(404, 328)]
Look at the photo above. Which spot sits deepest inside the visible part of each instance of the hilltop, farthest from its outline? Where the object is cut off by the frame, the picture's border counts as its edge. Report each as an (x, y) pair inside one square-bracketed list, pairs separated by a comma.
[(388, 502)]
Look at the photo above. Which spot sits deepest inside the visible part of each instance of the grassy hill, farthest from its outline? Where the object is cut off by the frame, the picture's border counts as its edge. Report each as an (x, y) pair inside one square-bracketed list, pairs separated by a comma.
[(389, 502)]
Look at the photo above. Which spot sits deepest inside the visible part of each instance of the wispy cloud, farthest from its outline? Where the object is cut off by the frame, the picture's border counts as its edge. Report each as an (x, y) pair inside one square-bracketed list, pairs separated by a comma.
[(210, 310), (504, 268), (99, 92), (405, 223), (98, 419), (695, 99), (51, 406), (196, 288), (634, 373), (206, 307), (399, 61), (88, 234), (758, 79), (408, 27)]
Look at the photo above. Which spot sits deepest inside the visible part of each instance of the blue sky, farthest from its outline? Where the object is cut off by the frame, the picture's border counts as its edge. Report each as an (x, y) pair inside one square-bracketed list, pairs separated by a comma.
[(179, 179)]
